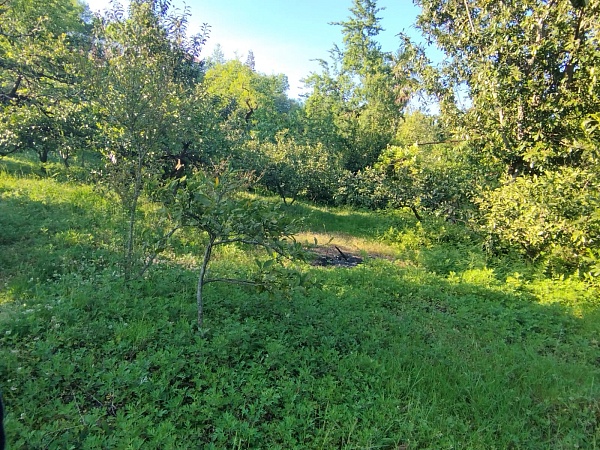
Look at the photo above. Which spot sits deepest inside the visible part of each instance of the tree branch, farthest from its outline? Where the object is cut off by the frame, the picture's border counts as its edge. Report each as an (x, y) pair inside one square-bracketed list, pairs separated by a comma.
[(469, 16), (231, 280), (150, 259)]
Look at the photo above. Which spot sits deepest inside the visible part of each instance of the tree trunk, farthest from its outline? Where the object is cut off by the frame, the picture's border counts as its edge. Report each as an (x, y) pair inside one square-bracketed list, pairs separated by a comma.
[(43, 155), (137, 191), (281, 192), (131, 233), (64, 156), (207, 254), (129, 243), (416, 213)]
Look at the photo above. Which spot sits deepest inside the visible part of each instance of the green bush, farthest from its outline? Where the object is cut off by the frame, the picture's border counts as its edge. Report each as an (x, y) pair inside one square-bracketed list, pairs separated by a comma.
[(553, 216), (433, 178), (364, 189), (294, 170)]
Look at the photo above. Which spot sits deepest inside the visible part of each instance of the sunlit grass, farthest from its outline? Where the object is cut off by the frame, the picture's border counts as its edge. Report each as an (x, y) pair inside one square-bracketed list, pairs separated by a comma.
[(348, 243)]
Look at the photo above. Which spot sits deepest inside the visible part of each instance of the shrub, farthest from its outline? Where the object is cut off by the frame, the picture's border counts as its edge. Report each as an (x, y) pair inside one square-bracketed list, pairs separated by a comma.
[(432, 179), (553, 216), (294, 170)]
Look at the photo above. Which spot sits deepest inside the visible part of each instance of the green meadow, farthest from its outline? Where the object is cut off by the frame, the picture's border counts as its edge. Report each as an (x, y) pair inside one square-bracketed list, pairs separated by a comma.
[(429, 343)]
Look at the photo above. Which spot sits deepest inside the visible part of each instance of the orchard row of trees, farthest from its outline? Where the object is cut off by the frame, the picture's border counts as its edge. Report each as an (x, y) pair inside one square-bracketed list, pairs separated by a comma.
[(134, 92)]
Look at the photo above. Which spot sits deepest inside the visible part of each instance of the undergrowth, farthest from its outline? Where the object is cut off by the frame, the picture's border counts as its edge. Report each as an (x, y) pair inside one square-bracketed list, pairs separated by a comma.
[(440, 346)]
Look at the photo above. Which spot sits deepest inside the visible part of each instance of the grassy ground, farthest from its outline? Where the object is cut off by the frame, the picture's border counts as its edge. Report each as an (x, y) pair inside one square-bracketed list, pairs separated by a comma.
[(436, 346)]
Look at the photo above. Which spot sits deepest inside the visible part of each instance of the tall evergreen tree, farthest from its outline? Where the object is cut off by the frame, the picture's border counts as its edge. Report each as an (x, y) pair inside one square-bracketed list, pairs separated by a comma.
[(357, 92), (250, 63)]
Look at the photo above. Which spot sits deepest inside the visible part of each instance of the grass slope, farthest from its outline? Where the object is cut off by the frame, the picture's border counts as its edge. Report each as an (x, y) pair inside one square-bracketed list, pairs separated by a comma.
[(437, 346)]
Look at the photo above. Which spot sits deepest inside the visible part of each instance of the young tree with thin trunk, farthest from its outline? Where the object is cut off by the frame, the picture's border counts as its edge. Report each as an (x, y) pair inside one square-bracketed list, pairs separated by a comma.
[(213, 202), (145, 94)]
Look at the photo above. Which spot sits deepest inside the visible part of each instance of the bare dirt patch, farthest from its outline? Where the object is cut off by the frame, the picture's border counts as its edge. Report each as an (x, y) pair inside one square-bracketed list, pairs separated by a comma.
[(332, 255), (342, 250)]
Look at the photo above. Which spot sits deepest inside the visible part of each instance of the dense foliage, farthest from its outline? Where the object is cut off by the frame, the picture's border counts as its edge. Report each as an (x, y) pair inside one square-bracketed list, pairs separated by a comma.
[(134, 170), (529, 69), (41, 47)]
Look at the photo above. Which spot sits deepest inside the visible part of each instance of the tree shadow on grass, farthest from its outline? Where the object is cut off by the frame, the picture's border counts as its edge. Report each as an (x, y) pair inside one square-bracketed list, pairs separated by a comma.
[(18, 167), (40, 240), (491, 358), (377, 356)]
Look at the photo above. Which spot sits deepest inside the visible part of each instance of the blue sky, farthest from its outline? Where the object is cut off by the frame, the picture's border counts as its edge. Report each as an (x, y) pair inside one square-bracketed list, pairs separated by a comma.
[(286, 35)]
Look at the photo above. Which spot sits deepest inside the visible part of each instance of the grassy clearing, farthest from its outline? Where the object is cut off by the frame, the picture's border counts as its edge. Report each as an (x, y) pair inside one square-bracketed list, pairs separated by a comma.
[(438, 346)]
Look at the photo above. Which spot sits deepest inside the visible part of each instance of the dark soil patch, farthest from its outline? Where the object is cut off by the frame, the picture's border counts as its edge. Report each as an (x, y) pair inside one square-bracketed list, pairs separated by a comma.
[(334, 256)]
